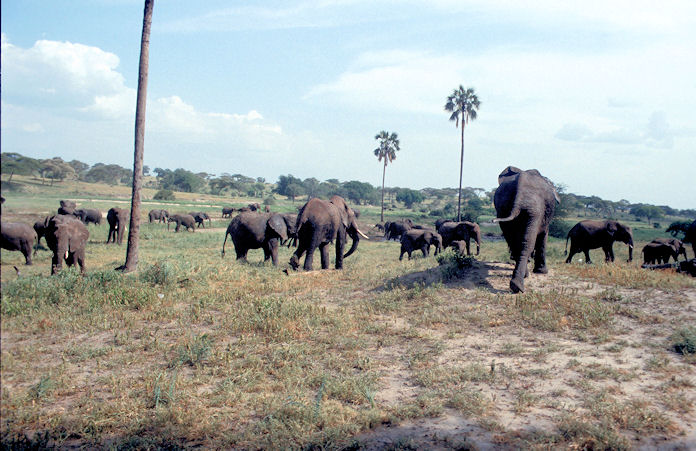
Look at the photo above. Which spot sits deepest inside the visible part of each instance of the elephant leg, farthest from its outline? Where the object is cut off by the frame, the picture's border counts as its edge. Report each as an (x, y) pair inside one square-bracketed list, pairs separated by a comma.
[(324, 253), (526, 247), (540, 254), (57, 260), (468, 249), (26, 250), (297, 255), (608, 254), (340, 248), (424, 250), (309, 258), (273, 248), (403, 251), (586, 251)]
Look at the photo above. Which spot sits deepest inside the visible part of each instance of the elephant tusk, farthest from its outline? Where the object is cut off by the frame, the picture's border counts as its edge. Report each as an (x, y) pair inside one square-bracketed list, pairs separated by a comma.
[(363, 235), (66, 255)]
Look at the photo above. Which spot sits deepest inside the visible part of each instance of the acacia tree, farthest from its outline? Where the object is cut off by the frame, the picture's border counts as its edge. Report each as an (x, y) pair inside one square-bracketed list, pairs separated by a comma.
[(388, 146), (134, 230), (464, 103)]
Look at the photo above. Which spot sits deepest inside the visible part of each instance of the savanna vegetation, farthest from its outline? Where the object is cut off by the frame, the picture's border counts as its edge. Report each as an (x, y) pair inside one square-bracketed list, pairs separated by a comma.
[(197, 350)]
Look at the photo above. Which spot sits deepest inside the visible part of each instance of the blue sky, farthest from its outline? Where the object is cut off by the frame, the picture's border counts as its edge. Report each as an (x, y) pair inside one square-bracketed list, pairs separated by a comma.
[(597, 95)]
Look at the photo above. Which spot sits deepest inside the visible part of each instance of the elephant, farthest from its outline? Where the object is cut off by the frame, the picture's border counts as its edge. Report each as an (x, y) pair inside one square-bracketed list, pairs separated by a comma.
[(422, 239), (188, 221), (255, 206), (525, 202), (117, 219), (88, 215), (674, 248), (17, 236), (461, 231), (67, 207), (320, 223), (244, 210), (158, 216), (66, 237), (397, 229), (200, 218), (459, 246), (40, 229), (253, 231), (227, 212), (291, 220), (267, 209), (591, 234), (379, 227), (656, 253), (441, 221), (690, 236)]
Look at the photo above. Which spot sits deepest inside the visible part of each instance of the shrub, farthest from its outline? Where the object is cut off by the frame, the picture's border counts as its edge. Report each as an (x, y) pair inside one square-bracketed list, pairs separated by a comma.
[(270, 200), (559, 228), (684, 340), (164, 194)]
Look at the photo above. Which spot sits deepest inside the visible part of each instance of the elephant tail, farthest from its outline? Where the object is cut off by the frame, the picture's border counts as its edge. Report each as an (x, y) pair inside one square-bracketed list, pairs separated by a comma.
[(513, 214), (223, 243), (566, 248)]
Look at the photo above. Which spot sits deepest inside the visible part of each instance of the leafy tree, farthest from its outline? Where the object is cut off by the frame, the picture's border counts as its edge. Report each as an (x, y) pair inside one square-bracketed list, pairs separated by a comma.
[(164, 194), (15, 163), (293, 190), (647, 211), (107, 173), (409, 197), (146, 170), (359, 192), (182, 180), (464, 103), (79, 167), (283, 184), (388, 146), (56, 169), (311, 187), (678, 229)]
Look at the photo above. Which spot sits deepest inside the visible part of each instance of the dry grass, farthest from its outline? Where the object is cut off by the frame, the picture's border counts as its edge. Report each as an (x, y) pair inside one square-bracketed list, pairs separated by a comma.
[(195, 350)]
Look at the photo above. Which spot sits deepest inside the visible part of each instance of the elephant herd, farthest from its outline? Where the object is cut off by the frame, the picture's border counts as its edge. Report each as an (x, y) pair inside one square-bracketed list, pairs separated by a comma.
[(524, 201)]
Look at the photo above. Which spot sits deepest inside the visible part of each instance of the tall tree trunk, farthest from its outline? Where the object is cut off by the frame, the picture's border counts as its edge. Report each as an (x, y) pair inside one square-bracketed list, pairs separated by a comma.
[(134, 230), (12, 173), (384, 171), (461, 169)]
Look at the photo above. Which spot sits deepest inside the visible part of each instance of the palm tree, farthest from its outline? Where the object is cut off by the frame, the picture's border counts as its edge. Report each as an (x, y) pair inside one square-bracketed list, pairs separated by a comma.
[(464, 103), (134, 229), (388, 146)]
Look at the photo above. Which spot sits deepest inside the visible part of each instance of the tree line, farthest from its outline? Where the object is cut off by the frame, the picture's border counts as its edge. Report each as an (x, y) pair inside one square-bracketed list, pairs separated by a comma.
[(435, 202)]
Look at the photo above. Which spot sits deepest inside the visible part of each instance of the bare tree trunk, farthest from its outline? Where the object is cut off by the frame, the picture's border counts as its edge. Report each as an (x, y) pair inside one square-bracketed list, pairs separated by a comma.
[(384, 171), (461, 169), (134, 230)]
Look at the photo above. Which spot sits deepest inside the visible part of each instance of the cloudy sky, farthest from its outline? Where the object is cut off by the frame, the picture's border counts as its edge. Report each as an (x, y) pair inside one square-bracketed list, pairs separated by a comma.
[(597, 95)]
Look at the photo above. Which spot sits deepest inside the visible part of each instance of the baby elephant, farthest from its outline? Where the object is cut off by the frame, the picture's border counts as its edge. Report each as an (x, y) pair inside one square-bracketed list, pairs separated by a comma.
[(66, 237), (182, 220), (422, 239), (17, 236)]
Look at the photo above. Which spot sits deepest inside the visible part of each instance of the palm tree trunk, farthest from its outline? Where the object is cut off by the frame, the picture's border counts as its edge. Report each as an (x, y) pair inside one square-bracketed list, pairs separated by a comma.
[(134, 230), (384, 171), (461, 169)]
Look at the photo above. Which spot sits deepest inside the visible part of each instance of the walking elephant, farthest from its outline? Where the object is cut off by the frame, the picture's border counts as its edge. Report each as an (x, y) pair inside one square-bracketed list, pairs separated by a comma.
[(320, 223), (158, 216), (200, 218), (87, 215), (66, 237), (17, 236), (291, 221), (525, 202), (117, 219), (420, 239), (395, 230), (40, 229), (461, 231), (188, 221), (227, 212), (591, 234), (666, 248), (257, 230)]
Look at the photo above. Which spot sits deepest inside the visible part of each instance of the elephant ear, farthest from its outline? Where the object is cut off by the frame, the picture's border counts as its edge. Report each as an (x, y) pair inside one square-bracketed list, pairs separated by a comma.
[(278, 225), (509, 171), (611, 228), (344, 210)]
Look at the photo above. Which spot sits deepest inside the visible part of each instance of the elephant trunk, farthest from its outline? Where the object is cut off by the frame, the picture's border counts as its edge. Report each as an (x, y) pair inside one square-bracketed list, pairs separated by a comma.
[(354, 234)]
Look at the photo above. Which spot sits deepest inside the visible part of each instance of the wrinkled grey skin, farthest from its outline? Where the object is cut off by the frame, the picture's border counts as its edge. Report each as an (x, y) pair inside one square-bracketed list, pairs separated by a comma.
[(200, 218), (188, 221), (394, 230), (320, 223), (227, 212), (525, 202), (660, 250), (117, 219), (158, 216), (591, 234), (461, 231), (257, 230), (87, 215), (420, 239), (17, 236), (67, 207), (66, 237)]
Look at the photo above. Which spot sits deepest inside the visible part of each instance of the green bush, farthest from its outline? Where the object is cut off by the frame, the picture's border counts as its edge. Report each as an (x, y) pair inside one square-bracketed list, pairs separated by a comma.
[(270, 200), (164, 194), (684, 340), (559, 228)]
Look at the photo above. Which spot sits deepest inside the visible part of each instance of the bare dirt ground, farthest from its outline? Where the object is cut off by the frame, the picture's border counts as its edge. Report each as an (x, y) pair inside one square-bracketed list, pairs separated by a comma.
[(631, 363)]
